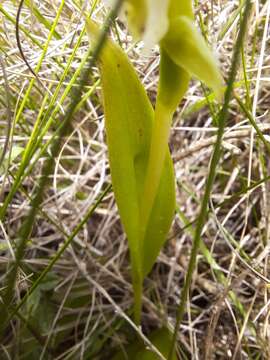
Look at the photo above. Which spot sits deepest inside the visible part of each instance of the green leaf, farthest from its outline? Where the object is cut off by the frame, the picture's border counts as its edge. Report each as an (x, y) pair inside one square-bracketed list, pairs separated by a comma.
[(161, 339), (129, 122), (41, 18), (187, 48), (183, 7)]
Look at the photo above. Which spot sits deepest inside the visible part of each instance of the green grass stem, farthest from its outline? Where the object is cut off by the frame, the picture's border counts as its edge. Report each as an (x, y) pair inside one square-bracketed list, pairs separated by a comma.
[(57, 256), (211, 176), (26, 228)]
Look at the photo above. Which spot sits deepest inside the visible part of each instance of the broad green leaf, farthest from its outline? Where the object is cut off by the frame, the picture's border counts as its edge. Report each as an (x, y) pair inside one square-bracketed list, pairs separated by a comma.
[(161, 339), (187, 48), (129, 121)]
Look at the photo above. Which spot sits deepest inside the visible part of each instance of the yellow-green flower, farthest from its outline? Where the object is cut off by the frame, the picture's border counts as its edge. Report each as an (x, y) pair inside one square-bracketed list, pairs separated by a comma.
[(147, 19), (170, 23)]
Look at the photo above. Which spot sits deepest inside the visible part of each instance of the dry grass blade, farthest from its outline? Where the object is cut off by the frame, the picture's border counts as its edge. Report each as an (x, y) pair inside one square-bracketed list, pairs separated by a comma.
[(82, 307)]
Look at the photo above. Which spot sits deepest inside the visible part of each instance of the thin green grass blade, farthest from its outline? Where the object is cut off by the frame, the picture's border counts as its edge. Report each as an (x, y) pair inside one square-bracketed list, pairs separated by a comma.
[(43, 124), (42, 20), (253, 122), (22, 28), (212, 172), (36, 70), (68, 241), (27, 225)]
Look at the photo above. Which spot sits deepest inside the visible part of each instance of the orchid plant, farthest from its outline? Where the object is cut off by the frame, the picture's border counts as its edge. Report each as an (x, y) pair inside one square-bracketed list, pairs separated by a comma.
[(137, 134)]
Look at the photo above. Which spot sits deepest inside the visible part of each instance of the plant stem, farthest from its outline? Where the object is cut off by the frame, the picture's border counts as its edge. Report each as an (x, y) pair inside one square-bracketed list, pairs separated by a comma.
[(211, 176), (157, 154), (138, 293)]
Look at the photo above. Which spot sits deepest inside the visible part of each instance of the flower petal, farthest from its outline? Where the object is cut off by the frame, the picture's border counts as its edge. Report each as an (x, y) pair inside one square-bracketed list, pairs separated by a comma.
[(188, 49), (157, 22)]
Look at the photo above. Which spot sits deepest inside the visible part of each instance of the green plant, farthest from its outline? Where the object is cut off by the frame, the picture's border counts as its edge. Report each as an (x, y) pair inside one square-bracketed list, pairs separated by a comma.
[(141, 167)]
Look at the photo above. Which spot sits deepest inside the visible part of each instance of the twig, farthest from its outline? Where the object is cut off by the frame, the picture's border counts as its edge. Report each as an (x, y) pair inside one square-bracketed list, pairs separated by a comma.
[(202, 144)]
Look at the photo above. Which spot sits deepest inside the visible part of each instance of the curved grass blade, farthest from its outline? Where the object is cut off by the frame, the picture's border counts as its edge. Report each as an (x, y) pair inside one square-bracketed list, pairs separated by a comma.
[(26, 227)]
